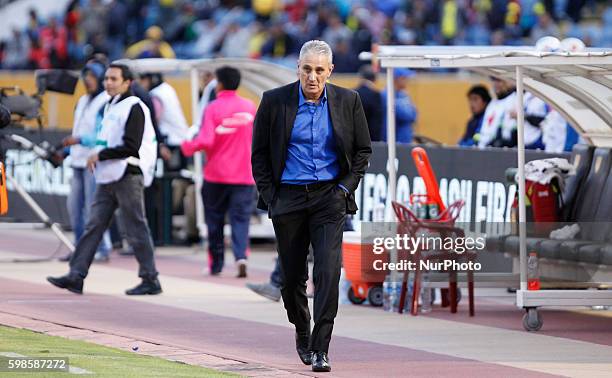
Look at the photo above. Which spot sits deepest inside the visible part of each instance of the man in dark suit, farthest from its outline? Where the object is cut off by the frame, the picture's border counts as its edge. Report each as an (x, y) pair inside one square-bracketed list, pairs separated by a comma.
[(310, 149)]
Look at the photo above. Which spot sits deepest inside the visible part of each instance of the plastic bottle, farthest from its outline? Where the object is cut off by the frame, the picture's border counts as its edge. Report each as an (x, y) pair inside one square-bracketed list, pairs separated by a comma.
[(397, 289), (344, 288), (533, 274), (432, 211), (387, 294)]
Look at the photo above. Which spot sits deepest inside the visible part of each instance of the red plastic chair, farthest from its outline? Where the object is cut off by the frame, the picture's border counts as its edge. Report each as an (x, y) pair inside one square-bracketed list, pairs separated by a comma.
[(444, 225)]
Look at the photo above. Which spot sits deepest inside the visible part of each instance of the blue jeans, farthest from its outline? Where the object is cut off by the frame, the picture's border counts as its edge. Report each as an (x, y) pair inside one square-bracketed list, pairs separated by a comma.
[(220, 200), (82, 189)]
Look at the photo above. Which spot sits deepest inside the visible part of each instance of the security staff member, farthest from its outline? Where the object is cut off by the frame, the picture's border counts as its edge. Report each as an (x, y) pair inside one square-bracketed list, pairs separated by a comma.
[(122, 169), (170, 117), (87, 125)]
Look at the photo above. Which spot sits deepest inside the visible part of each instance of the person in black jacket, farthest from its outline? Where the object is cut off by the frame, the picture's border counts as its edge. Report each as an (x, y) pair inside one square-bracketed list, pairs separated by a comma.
[(311, 148), (372, 102)]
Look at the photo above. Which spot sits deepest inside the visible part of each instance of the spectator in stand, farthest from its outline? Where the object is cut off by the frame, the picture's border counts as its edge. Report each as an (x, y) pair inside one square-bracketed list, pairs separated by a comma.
[(265, 8), (545, 27), (345, 60), (257, 40), (17, 51), (235, 41), (336, 32), (405, 111), (362, 39), (450, 19), (197, 29), (280, 44), (372, 102), (54, 40), (93, 18), (38, 56), (153, 46), (33, 27), (116, 28), (478, 99), (71, 22)]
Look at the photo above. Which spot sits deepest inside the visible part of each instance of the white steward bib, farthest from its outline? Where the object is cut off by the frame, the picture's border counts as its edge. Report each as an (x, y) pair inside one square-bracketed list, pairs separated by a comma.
[(172, 122), (111, 135), (85, 118)]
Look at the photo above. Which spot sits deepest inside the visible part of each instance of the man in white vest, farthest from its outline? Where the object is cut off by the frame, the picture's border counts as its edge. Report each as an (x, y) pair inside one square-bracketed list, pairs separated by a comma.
[(123, 165), (170, 118), (87, 125)]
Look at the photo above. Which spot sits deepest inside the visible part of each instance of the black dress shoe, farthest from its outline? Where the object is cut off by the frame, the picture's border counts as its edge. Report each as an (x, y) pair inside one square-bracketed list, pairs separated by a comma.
[(303, 349), (146, 287), (68, 282), (320, 362)]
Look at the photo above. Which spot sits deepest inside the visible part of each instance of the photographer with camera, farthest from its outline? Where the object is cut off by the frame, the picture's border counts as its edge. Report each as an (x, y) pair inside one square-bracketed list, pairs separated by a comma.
[(87, 124), (122, 169)]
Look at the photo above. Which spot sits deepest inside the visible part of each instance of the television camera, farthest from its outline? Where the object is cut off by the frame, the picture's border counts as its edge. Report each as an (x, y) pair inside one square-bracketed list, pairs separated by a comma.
[(23, 107), (17, 107)]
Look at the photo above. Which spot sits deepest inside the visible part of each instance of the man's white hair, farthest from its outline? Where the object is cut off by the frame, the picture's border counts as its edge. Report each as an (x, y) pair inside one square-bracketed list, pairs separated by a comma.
[(316, 47)]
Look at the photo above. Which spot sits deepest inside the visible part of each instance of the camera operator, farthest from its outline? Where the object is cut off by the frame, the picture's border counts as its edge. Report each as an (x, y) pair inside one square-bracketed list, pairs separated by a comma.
[(87, 125), (122, 169)]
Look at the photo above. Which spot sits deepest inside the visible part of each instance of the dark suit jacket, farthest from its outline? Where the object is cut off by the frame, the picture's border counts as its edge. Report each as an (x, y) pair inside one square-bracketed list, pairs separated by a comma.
[(272, 130), (374, 110)]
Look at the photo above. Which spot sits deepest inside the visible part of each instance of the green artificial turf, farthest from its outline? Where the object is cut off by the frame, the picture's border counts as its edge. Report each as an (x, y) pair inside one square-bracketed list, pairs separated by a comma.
[(100, 360)]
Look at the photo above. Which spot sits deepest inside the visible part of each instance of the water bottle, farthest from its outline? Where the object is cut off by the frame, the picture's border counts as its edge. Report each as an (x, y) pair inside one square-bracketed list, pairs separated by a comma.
[(344, 288), (533, 274), (379, 212), (388, 294), (397, 290), (433, 212), (425, 295)]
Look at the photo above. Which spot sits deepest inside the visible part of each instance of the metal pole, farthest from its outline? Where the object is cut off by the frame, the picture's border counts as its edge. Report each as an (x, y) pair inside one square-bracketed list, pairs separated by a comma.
[(57, 230), (520, 118), (391, 161), (197, 157), (391, 140)]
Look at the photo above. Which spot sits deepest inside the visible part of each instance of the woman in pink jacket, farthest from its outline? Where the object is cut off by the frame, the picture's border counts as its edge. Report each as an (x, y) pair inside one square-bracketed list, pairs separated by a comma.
[(225, 137)]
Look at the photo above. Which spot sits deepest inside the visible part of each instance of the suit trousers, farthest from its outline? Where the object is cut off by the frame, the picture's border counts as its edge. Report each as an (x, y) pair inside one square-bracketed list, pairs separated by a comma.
[(302, 218)]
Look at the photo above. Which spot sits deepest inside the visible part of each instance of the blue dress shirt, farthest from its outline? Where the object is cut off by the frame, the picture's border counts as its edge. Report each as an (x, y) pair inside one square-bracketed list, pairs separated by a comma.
[(311, 153)]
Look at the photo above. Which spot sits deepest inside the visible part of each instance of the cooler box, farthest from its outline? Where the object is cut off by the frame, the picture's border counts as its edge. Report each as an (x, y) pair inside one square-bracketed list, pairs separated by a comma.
[(357, 260)]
